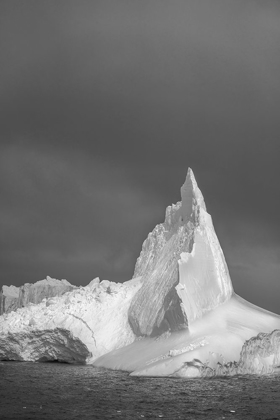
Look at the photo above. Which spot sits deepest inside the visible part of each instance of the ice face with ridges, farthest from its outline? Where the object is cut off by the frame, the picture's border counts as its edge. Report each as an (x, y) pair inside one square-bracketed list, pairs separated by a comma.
[(149, 311), (154, 243), (9, 298)]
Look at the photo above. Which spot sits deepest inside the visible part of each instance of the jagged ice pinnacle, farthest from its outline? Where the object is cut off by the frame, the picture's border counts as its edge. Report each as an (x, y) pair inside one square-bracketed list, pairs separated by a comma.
[(187, 236)]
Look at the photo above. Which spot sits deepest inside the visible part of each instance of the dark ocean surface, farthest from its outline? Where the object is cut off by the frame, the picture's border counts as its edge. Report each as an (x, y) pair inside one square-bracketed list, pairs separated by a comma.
[(60, 391)]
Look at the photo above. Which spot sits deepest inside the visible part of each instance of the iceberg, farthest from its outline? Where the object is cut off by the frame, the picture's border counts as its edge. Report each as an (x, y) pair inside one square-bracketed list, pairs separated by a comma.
[(178, 316)]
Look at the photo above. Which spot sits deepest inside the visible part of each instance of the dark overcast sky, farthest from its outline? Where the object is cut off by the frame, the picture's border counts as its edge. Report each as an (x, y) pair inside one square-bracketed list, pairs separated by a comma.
[(103, 107)]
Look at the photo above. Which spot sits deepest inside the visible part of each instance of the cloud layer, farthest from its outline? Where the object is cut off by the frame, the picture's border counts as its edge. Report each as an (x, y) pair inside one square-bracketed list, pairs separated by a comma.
[(104, 106)]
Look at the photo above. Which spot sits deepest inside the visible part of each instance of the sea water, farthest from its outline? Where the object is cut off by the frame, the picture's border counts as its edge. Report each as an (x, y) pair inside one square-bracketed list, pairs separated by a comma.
[(60, 391)]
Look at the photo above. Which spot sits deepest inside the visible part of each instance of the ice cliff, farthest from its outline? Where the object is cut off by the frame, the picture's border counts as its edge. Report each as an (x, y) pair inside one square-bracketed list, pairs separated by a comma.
[(9, 299), (12, 298), (78, 326), (178, 316)]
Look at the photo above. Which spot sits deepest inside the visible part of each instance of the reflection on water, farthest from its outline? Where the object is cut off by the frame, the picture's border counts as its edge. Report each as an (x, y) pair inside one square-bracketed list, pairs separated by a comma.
[(61, 391)]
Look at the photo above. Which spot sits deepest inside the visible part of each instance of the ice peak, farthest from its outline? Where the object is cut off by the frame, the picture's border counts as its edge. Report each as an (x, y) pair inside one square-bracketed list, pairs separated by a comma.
[(191, 197)]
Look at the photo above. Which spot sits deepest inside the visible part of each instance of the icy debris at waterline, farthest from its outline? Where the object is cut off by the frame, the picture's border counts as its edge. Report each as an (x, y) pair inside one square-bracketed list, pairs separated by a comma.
[(12, 297), (260, 355), (179, 316)]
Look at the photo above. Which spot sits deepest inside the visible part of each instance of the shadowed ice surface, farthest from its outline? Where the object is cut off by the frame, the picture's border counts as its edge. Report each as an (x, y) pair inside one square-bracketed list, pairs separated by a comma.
[(61, 391)]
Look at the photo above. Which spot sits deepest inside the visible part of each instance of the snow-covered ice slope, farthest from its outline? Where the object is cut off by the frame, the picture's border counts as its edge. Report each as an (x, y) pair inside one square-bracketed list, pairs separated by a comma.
[(213, 340)]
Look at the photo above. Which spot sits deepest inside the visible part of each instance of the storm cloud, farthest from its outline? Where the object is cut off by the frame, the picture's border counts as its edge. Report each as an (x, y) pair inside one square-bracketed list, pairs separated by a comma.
[(105, 104)]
